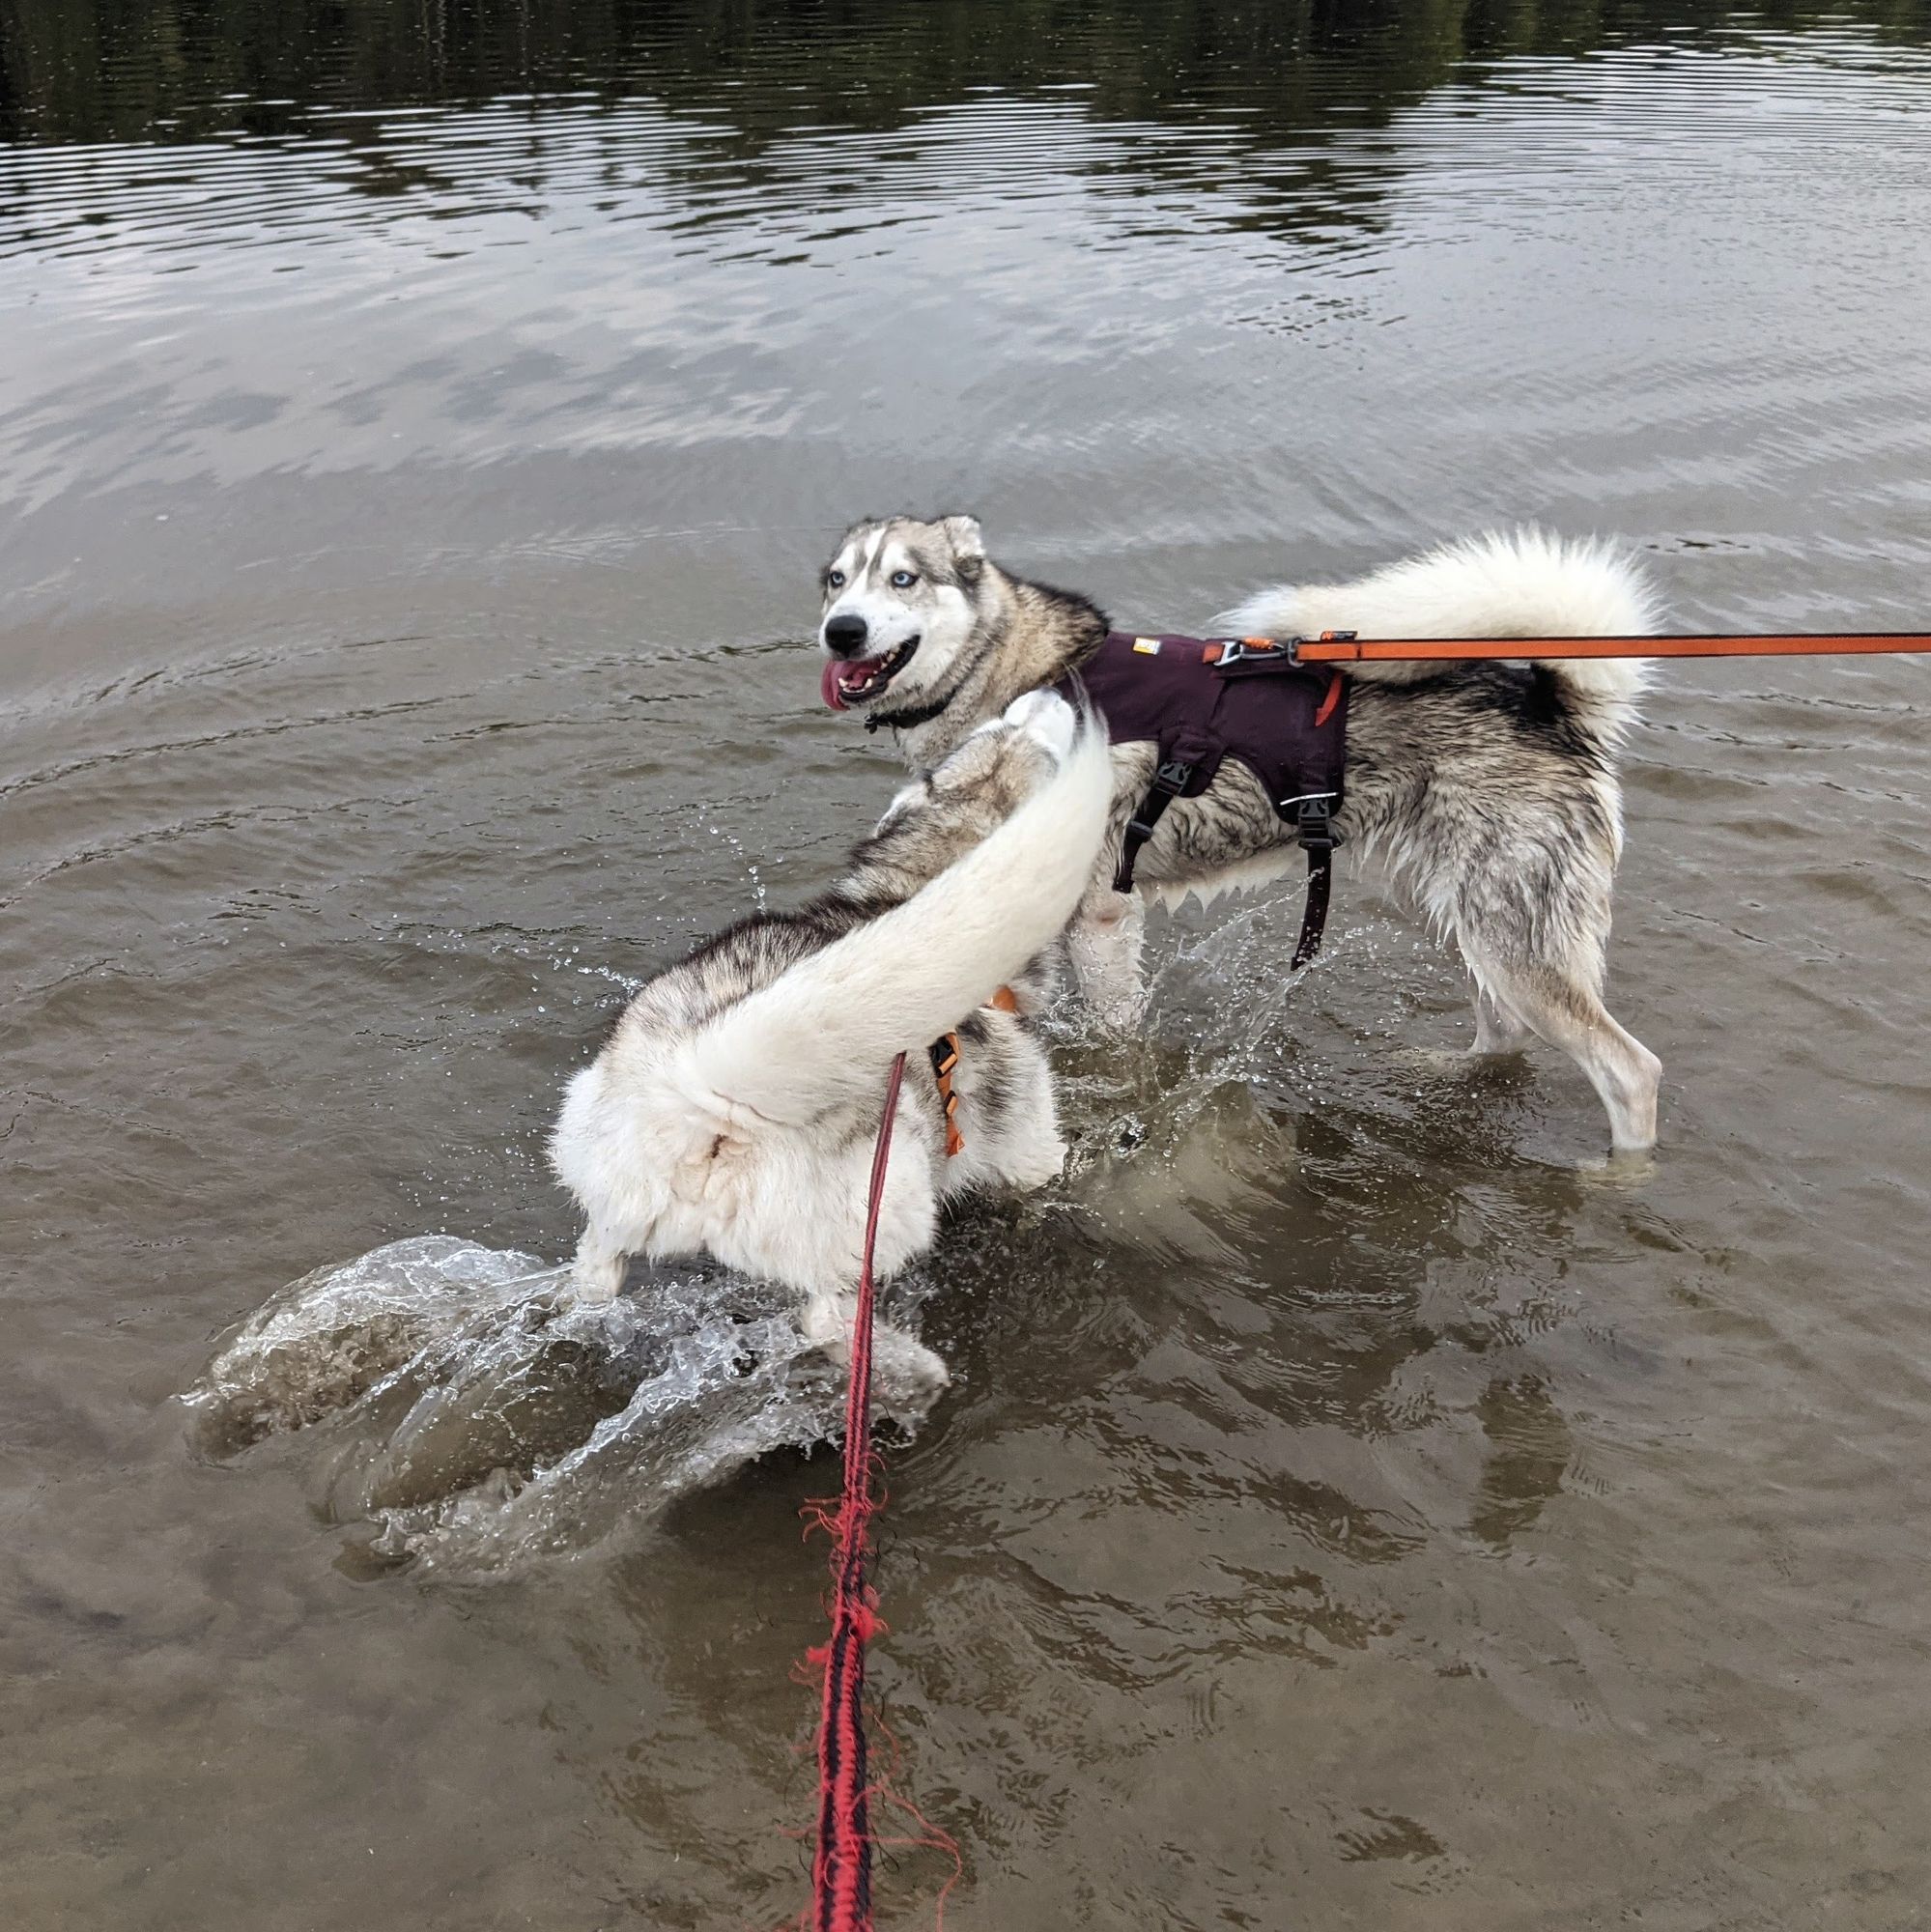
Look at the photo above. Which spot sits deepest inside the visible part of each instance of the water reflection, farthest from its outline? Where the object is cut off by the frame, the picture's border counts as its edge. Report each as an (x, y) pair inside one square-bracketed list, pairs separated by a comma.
[(72, 71), (708, 114), (1110, 236)]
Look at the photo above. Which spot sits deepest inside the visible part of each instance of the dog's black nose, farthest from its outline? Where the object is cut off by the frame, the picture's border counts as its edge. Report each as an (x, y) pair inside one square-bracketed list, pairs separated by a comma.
[(844, 636)]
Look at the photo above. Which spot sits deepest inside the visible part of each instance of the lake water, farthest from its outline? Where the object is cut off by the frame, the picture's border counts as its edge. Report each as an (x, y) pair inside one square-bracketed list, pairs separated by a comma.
[(419, 425)]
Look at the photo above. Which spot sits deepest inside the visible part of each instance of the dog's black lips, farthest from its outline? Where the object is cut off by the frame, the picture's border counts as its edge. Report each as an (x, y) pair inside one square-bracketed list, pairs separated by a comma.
[(924, 714)]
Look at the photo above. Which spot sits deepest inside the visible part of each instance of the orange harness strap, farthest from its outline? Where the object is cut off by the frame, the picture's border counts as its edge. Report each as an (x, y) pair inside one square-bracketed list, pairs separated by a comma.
[(1342, 647), (945, 1052)]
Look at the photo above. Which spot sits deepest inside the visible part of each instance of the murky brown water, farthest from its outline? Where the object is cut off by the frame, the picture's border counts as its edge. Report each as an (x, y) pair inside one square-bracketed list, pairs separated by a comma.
[(419, 424)]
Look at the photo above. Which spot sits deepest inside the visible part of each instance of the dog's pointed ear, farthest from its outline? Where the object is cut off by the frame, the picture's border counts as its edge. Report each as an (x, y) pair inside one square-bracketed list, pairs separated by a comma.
[(968, 544)]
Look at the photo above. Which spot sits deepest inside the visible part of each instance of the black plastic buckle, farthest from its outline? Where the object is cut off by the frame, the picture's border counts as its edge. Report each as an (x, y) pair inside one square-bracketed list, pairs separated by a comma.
[(1314, 823), (1168, 782)]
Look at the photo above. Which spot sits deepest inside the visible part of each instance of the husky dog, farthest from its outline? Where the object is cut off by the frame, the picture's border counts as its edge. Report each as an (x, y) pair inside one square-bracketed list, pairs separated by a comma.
[(734, 1108), (1490, 789)]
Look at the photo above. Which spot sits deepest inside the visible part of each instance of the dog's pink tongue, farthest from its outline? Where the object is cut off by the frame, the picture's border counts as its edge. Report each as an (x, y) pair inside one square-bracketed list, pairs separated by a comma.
[(839, 679)]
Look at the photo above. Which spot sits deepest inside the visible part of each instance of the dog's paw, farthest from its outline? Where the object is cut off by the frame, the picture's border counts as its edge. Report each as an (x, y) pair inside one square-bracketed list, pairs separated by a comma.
[(912, 795), (1037, 1166), (595, 1277), (906, 1374), (1619, 1168), (1047, 718)]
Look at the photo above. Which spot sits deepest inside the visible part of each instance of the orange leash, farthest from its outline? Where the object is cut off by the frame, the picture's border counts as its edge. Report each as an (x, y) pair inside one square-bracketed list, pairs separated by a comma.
[(1340, 647)]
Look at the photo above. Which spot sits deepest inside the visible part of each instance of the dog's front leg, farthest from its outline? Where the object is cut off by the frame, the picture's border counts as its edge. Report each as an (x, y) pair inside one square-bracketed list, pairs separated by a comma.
[(598, 1272), (903, 1366), (827, 1323), (1104, 948)]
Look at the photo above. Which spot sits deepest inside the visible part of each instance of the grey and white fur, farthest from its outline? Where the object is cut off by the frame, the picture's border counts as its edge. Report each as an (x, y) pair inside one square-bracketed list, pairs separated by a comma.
[(734, 1107), (1488, 790)]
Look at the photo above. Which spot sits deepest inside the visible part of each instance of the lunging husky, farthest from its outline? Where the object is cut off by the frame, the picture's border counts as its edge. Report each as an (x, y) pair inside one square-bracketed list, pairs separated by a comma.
[(1490, 789), (734, 1108)]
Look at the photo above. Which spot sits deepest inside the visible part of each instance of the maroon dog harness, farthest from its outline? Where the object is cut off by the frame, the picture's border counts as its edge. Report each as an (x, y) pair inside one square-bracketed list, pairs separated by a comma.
[(1202, 700)]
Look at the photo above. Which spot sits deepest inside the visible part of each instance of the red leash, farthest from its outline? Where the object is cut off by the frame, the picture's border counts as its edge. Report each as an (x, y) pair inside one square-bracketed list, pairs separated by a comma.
[(841, 1866)]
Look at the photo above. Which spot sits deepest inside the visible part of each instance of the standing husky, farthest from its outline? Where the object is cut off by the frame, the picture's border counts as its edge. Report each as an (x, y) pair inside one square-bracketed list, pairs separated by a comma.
[(1488, 789), (734, 1108)]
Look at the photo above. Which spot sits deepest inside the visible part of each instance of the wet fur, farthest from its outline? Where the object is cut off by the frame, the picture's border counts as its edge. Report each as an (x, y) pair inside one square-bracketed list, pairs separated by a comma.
[(734, 1108), (1490, 791)]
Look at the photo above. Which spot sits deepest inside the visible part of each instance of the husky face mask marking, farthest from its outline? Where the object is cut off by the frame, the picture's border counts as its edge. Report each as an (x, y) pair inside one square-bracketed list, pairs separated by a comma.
[(901, 610)]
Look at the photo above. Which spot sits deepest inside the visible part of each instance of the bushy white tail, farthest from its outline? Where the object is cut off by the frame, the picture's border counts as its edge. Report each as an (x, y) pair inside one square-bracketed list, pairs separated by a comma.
[(1505, 584), (831, 1026)]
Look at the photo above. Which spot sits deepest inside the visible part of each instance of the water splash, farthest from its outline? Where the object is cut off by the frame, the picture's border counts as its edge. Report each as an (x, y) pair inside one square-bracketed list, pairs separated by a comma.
[(473, 1417), (468, 1415)]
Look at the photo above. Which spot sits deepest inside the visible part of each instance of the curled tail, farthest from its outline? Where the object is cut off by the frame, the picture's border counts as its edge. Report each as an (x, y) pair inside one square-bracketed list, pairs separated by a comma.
[(830, 1026), (1514, 584)]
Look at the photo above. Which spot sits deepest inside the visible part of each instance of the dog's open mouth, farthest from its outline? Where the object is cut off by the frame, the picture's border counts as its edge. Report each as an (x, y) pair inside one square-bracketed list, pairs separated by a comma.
[(856, 680)]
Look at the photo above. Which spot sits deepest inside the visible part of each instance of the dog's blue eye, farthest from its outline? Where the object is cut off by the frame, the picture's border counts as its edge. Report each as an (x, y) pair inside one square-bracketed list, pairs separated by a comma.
[(902, 580), (836, 578)]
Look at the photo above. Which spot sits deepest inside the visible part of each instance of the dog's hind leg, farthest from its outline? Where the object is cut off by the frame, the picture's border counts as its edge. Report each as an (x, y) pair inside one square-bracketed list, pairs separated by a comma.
[(1497, 1027), (1103, 946), (1531, 917), (1570, 1015)]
